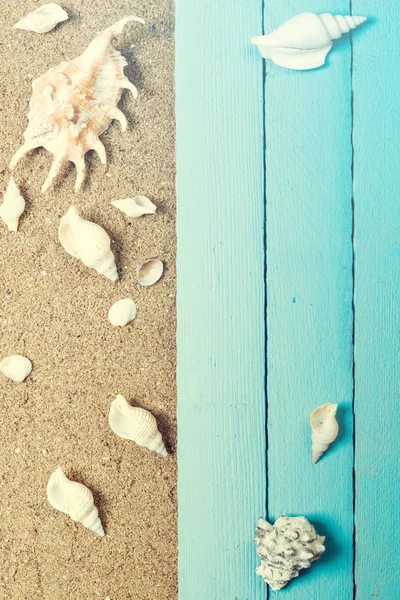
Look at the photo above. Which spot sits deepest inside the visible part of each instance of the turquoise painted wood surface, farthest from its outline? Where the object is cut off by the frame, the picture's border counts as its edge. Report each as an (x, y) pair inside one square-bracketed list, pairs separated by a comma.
[(377, 292), (220, 187), (328, 269)]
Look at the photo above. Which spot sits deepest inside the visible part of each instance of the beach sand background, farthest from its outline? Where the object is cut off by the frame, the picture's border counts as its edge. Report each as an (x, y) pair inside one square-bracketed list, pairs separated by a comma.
[(53, 310)]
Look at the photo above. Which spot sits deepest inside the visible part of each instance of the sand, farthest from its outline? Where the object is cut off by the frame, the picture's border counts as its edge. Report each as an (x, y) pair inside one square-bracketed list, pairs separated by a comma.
[(53, 309)]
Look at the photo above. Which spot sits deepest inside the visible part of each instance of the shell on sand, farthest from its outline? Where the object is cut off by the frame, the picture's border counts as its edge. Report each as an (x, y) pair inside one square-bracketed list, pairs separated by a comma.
[(16, 367), (43, 19), (13, 206), (73, 499), (122, 312), (136, 424), (149, 271), (75, 102), (87, 241), (135, 207)]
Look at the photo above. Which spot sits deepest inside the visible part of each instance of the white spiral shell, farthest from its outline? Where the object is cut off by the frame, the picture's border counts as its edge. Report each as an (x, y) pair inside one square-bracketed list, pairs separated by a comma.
[(88, 242), (13, 206), (325, 429), (304, 41), (136, 424), (75, 500), (135, 207), (286, 547), (43, 19)]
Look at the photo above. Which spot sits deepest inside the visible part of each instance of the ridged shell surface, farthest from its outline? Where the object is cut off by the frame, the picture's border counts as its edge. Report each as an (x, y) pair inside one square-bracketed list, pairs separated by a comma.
[(136, 424), (135, 207), (13, 206), (75, 500), (16, 367), (88, 242), (149, 271), (325, 429), (74, 103), (43, 19), (286, 547), (304, 41)]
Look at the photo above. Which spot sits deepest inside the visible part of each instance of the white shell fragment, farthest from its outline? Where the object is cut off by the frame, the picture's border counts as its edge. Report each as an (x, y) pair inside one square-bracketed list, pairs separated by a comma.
[(88, 242), (122, 312), (149, 271), (325, 429), (16, 367), (43, 19), (135, 207), (74, 103), (136, 424), (303, 42), (286, 547), (75, 500), (13, 206)]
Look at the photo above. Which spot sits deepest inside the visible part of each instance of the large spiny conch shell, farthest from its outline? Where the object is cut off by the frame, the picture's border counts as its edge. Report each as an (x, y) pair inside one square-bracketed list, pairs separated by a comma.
[(88, 242), (286, 547), (74, 103), (325, 429), (13, 206), (136, 424), (74, 499), (304, 41), (135, 207), (43, 19), (16, 367)]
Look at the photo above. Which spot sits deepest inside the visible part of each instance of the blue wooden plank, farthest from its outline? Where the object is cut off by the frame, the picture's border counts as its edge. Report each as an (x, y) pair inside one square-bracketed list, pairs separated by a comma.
[(309, 298), (220, 304), (377, 258)]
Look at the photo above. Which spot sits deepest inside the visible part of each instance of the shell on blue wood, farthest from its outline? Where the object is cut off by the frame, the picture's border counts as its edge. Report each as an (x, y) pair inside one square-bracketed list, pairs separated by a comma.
[(286, 547), (304, 41)]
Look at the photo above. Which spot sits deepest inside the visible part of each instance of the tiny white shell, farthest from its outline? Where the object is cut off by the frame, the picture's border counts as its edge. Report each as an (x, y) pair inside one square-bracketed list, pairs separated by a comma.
[(135, 207), (13, 206), (325, 429), (136, 424), (43, 19), (16, 367), (73, 499), (304, 41), (149, 271), (122, 312), (89, 242)]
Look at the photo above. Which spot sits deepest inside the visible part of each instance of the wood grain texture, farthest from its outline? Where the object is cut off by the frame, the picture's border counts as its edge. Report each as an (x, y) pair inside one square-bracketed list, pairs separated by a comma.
[(221, 449), (309, 299), (377, 261)]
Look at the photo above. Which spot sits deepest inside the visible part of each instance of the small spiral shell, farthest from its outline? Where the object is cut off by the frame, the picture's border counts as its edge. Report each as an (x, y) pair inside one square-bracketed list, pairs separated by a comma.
[(325, 429)]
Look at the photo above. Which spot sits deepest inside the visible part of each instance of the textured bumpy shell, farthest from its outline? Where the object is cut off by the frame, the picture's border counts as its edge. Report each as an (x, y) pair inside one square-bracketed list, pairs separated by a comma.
[(88, 242), (122, 312), (73, 499), (286, 547), (304, 41), (136, 424), (16, 367), (74, 103), (43, 19), (135, 207), (325, 429), (13, 206)]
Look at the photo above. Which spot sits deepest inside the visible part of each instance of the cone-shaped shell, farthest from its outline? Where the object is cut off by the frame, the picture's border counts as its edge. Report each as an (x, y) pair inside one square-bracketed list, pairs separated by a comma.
[(325, 429), (136, 424), (135, 207), (43, 19), (75, 500), (16, 367), (304, 41), (74, 103), (13, 206), (286, 547), (149, 271), (122, 312), (88, 242)]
